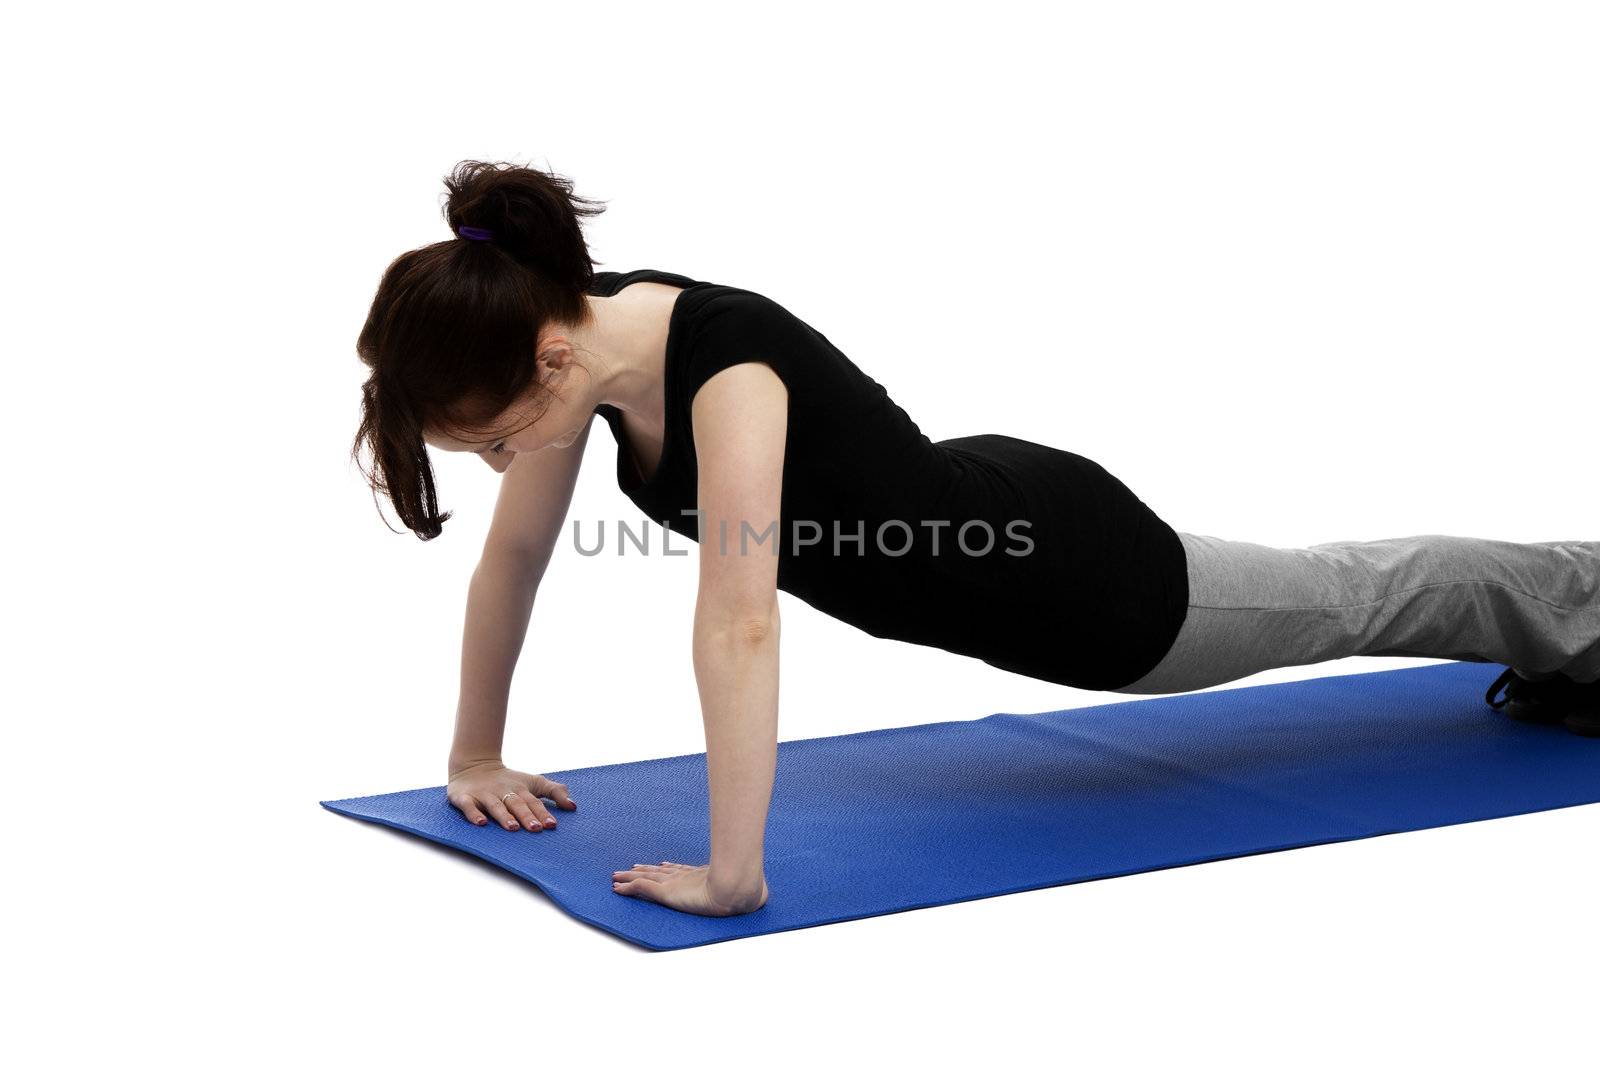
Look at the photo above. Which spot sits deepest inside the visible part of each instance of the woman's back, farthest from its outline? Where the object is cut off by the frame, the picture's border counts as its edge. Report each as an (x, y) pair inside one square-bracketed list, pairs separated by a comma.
[(1031, 558)]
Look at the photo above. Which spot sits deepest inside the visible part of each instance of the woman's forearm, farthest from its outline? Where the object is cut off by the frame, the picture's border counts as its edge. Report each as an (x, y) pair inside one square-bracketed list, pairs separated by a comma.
[(499, 602), (736, 668)]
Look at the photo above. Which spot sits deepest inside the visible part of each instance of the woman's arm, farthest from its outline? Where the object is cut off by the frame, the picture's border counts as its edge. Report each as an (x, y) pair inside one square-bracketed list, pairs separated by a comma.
[(535, 493), (499, 604), (740, 424), (740, 421)]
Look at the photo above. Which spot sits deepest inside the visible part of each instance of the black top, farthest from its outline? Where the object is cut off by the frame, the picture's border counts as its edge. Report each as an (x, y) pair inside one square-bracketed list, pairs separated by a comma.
[(1035, 560)]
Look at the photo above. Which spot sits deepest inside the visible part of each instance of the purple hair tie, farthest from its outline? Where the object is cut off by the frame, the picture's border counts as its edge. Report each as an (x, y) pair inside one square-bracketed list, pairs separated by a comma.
[(474, 233)]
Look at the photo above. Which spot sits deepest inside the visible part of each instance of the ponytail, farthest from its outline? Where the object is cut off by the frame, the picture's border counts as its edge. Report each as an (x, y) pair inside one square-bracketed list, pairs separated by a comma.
[(532, 216)]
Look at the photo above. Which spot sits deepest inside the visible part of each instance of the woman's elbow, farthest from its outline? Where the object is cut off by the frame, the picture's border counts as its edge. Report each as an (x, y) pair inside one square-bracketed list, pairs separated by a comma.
[(757, 629), (746, 624)]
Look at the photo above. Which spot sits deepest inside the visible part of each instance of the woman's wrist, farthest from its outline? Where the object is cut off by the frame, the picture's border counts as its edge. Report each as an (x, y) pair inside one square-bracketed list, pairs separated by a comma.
[(461, 761), (741, 891)]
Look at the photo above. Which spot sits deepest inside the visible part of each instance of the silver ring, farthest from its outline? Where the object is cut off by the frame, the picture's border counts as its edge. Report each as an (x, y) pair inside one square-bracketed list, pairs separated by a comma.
[(509, 796)]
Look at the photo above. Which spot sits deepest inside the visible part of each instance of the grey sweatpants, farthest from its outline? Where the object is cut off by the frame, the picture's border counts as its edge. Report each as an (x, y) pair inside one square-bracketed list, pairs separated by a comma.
[(1535, 607)]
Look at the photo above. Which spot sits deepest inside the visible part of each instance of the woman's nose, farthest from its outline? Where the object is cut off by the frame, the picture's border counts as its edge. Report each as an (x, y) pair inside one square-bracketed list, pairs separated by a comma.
[(500, 462)]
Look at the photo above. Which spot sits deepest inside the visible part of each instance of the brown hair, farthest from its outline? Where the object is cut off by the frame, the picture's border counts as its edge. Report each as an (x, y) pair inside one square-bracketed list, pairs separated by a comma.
[(453, 328)]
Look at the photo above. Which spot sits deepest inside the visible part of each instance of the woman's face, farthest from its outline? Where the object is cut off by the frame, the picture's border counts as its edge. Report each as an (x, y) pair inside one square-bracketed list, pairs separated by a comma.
[(555, 420)]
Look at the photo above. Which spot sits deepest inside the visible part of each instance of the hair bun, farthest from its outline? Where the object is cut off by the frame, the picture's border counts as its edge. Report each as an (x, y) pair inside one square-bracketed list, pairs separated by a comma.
[(531, 214)]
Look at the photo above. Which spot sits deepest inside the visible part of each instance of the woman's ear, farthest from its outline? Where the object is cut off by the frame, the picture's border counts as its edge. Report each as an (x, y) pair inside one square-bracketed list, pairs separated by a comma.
[(555, 354)]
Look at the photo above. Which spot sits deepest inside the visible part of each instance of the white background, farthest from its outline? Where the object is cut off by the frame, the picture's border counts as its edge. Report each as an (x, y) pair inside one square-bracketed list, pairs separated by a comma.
[(1294, 272)]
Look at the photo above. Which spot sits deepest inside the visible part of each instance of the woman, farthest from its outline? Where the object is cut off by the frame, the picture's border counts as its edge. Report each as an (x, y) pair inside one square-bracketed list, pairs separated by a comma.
[(740, 426)]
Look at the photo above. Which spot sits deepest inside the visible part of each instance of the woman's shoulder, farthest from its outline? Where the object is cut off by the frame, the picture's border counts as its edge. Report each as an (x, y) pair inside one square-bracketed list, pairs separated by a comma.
[(728, 324), (611, 282), (729, 315), (708, 298)]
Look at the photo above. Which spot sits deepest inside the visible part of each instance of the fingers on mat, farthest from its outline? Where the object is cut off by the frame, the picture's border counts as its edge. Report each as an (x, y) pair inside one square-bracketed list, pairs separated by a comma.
[(497, 808), (517, 804), (556, 792), (468, 806), (537, 812)]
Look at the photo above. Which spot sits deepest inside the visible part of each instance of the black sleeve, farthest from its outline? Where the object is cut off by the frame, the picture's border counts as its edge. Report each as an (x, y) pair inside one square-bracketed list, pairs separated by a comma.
[(743, 327)]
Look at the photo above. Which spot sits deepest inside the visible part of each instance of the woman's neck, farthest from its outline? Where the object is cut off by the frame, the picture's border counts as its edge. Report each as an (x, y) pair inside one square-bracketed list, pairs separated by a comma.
[(627, 338)]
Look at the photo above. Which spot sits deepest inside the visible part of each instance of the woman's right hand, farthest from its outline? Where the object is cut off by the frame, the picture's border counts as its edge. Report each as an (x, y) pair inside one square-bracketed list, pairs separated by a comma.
[(492, 790)]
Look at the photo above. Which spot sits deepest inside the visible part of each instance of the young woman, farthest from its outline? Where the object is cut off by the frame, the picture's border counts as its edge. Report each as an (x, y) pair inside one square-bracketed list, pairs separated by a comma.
[(743, 428)]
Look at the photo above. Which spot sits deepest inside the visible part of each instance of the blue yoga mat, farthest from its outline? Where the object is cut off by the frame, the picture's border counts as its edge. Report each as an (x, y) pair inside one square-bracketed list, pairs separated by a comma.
[(889, 820)]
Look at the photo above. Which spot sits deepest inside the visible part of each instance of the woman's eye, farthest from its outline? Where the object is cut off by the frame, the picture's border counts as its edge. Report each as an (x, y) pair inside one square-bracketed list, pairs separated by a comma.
[(499, 447)]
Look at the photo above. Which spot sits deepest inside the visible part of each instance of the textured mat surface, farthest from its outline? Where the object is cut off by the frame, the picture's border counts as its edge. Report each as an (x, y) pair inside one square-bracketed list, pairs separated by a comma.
[(1059, 797)]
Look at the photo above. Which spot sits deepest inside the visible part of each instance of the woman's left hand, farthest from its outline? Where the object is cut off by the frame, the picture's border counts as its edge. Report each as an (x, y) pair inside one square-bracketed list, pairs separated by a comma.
[(682, 888)]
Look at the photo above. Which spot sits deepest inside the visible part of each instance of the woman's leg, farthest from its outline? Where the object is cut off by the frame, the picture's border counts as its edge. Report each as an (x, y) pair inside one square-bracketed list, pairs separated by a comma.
[(1534, 607)]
